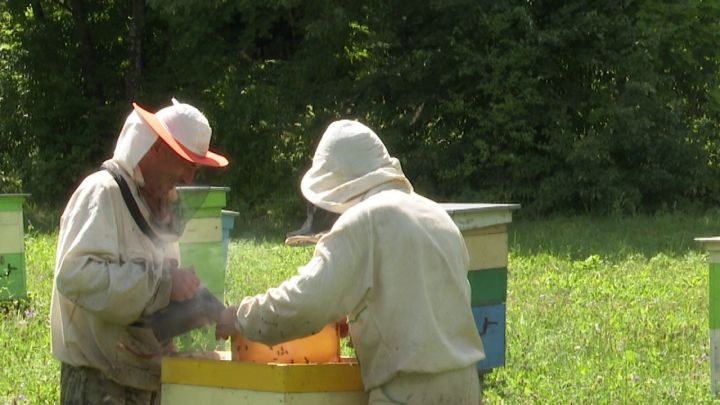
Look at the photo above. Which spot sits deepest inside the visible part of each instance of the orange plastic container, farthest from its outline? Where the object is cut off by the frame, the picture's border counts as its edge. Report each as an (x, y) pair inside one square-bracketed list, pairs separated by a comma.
[(322, 347)]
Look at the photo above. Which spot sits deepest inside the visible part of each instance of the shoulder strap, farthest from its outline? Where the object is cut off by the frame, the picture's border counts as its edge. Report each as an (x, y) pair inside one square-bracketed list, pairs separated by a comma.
[(132, 205)]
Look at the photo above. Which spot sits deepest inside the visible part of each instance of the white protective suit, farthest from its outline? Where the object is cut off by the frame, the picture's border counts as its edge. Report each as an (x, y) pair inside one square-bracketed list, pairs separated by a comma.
[(394, 262), (108, 274)]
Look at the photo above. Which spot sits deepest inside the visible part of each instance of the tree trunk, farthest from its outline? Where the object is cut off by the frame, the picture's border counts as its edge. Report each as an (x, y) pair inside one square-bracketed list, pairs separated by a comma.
[(38, 10), (137, 30), (90, 85)]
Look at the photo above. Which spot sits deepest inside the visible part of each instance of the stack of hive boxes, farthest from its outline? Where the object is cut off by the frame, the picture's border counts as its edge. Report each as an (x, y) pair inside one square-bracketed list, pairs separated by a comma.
[(201, 244), (204, 246), (484, 227), (712, 245), (12, 247)]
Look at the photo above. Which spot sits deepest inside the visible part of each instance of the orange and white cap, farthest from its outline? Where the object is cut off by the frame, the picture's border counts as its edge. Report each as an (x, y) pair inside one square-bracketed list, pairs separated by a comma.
[(186, 130)]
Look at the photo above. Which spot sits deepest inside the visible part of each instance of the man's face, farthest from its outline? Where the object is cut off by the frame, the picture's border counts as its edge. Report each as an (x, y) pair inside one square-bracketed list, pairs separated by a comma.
[(165, 171)]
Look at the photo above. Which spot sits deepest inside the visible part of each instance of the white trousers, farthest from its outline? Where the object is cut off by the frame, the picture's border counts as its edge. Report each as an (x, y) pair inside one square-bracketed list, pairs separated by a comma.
[(456, 387)]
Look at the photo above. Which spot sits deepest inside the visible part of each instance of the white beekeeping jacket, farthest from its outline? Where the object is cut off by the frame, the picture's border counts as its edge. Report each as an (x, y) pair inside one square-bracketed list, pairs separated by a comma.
[(394, 262), (109, 274)]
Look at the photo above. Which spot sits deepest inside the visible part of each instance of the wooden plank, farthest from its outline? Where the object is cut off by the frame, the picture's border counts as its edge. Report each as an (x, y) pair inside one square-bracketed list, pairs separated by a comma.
[(469, 216), (202, 201), (715, 361), (202, 230), (11, 232), (328, 377), (174, 394), (488, 286), (181, 394), (327, 398), (487, 250), (714, 295), (468, 221), (490, 321), (207, 212), (712, 245), (203, 196), (501, 228), (453, 208)]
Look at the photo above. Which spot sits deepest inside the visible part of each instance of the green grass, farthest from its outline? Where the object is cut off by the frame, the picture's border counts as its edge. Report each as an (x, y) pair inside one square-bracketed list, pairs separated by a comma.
[(28, 372), (608, 311), (599, 310)]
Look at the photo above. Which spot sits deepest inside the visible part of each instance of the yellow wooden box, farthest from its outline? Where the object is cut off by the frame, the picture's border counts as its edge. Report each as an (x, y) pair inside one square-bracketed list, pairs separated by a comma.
[(209, 381)]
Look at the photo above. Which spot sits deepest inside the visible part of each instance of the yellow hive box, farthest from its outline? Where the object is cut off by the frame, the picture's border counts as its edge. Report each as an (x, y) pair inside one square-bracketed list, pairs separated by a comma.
[(487, 247), (322, 347), (206, 381)]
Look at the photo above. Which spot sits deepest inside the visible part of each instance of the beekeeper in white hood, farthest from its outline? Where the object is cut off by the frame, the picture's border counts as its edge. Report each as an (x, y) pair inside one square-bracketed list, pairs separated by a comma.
[(114, 268), (394, 263)]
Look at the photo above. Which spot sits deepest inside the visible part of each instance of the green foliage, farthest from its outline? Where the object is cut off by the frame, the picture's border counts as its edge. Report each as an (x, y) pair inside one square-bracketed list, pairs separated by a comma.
[(60, 93), (580, 106), (624, 114)]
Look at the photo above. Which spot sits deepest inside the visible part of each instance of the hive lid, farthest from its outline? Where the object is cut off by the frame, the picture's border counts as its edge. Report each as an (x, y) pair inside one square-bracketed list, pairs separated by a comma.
[(469, 216)]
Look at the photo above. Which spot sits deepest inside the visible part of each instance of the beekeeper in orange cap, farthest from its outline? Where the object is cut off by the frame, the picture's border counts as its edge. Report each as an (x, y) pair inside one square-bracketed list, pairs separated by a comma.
[(394, 262), (117, 258)]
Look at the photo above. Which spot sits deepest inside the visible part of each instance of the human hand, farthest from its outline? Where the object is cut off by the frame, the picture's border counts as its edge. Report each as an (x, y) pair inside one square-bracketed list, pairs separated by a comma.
[(226, 323), (184, 283), (169, 348)]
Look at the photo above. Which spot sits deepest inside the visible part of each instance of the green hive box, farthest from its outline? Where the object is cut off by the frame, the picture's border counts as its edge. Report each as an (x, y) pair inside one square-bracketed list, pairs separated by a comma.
[(12, 247), (201, 245)]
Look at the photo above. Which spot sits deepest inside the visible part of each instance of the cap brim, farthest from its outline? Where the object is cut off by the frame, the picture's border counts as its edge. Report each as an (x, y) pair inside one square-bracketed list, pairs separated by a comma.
[(211, 159)]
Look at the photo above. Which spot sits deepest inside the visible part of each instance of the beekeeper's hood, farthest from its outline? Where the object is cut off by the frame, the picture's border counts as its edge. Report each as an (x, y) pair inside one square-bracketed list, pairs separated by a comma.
[(181, 126), (350, 160)]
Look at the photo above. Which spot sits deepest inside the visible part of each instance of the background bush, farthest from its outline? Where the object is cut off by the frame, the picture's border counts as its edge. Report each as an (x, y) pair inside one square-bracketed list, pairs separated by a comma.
[(573, 106)]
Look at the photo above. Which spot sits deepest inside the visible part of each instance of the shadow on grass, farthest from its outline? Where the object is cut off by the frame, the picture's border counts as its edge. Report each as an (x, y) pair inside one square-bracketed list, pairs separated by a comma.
[(582, 236)]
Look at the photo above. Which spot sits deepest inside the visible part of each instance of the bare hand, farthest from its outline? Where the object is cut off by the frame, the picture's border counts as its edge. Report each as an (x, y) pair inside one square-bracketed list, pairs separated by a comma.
[(184, 283), (226, 323)]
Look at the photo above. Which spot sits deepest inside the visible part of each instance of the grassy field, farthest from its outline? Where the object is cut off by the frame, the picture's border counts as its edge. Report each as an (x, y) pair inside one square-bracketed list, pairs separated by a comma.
[(600, 310)]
